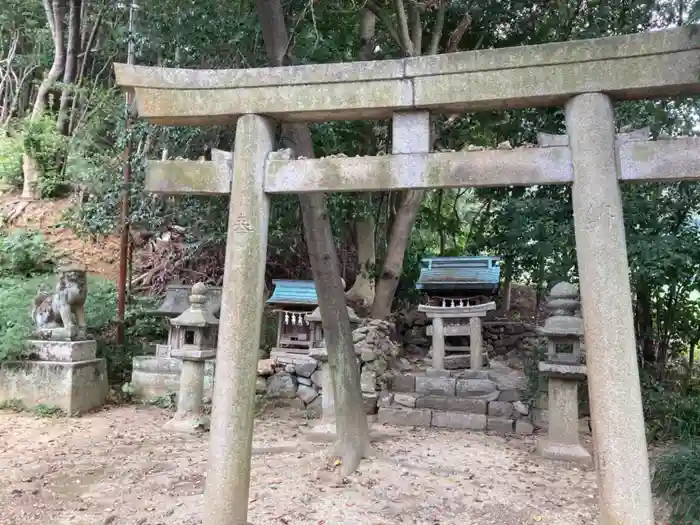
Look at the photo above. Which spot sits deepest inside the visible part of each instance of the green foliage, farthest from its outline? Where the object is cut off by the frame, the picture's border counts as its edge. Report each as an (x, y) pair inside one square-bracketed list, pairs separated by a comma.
[(11, 161), (140, 328), (24, 254), (14, 405), (39, 139), (677, 479), (531, 228), (670, 415), (535, 380), (43, 410), (47, 146), (100, 307), (40, 410)]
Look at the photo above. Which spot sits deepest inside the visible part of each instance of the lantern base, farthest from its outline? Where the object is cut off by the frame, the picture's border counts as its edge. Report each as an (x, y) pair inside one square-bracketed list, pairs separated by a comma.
[(188, 424), (564, 452)]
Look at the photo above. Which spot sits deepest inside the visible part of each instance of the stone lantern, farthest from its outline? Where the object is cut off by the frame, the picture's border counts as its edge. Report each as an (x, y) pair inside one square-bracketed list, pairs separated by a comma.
[(193, 339), (316, 325), (563, 330)]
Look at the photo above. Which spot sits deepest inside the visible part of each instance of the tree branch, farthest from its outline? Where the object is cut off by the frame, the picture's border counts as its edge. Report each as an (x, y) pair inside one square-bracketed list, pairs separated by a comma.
[(458, 33), (48, 9), (438, 29), (404, 35), (383, 15), (416, 28)]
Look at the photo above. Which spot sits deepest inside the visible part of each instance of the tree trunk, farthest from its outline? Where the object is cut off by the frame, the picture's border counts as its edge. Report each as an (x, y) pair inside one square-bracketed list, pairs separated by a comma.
[(645, 325), (87, 54), (362, 291), (507, 286), (55, 14), (396, 249), (71, 67), (440, 225), (352, 428), (409, 38)]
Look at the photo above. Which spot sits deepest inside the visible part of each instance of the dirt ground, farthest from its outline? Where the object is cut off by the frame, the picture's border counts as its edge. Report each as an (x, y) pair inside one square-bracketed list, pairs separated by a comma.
[(119, 467), (101, 255)]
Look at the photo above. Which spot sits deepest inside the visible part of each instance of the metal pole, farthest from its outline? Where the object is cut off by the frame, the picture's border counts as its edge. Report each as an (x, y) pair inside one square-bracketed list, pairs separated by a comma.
[(124, 218)]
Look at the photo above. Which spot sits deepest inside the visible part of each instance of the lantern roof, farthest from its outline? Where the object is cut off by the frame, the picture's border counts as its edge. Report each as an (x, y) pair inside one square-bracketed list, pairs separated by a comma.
[(563, 303), (196, 316)]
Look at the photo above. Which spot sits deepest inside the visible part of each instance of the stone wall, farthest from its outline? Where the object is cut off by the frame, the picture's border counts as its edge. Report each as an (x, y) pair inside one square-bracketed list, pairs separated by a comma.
[(477, 400), (299, 379)]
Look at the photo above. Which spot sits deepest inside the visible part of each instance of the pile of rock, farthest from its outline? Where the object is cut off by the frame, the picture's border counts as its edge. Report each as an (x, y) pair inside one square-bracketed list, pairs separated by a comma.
[(295, 378), (377, 354), (300, 379)]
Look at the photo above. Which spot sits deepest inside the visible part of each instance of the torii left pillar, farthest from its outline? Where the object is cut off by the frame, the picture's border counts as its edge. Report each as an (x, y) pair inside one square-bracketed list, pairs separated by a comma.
[(231, 441)]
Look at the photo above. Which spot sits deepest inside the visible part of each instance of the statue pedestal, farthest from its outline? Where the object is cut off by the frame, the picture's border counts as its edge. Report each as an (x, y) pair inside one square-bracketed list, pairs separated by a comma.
[(63, 374), (60, 333)]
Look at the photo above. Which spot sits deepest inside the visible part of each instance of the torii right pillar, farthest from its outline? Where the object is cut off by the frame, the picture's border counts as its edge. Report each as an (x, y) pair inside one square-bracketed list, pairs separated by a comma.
[(622, 463)]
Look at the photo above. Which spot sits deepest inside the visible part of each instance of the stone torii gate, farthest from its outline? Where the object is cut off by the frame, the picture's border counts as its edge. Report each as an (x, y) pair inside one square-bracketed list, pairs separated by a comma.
[(585, 76)]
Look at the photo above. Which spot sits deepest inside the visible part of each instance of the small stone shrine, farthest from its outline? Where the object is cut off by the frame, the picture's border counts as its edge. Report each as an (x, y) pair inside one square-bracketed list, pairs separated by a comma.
[(293, 301), (158, 375), (459, 289), (193, 339), (564, 369), (61, 368)]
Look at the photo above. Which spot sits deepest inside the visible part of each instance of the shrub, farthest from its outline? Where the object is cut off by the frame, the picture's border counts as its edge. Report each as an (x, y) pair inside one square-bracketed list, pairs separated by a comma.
[(677, 480), (24, 254), (668, 414), (11, 161), (140, 327), (47, 146)]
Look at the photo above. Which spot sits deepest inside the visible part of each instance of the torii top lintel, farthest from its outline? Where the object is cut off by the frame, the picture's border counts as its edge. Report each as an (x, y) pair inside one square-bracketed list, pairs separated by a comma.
[(638, 66)]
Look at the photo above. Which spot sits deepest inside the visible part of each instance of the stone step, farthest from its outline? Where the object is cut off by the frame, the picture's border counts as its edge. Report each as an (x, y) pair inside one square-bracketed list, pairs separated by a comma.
[(487, 384), (480, 406), (426, 417)]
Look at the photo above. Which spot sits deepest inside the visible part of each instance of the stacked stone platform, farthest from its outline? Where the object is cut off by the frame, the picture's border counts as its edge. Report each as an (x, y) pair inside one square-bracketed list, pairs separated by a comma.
[(468, 400)]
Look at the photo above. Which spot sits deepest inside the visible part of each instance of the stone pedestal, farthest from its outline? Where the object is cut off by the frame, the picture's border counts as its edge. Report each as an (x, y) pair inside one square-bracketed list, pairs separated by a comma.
[(324, 431), (63, 374), (155, 377), (562, 441), (327, 397), (188, 417)]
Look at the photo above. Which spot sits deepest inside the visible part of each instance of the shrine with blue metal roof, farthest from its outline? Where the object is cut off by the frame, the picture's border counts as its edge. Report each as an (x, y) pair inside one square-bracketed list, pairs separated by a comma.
[(459, 292)]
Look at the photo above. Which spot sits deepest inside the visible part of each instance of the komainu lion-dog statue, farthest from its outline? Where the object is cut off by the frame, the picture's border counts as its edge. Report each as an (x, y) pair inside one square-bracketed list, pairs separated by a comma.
[(52, 313)]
